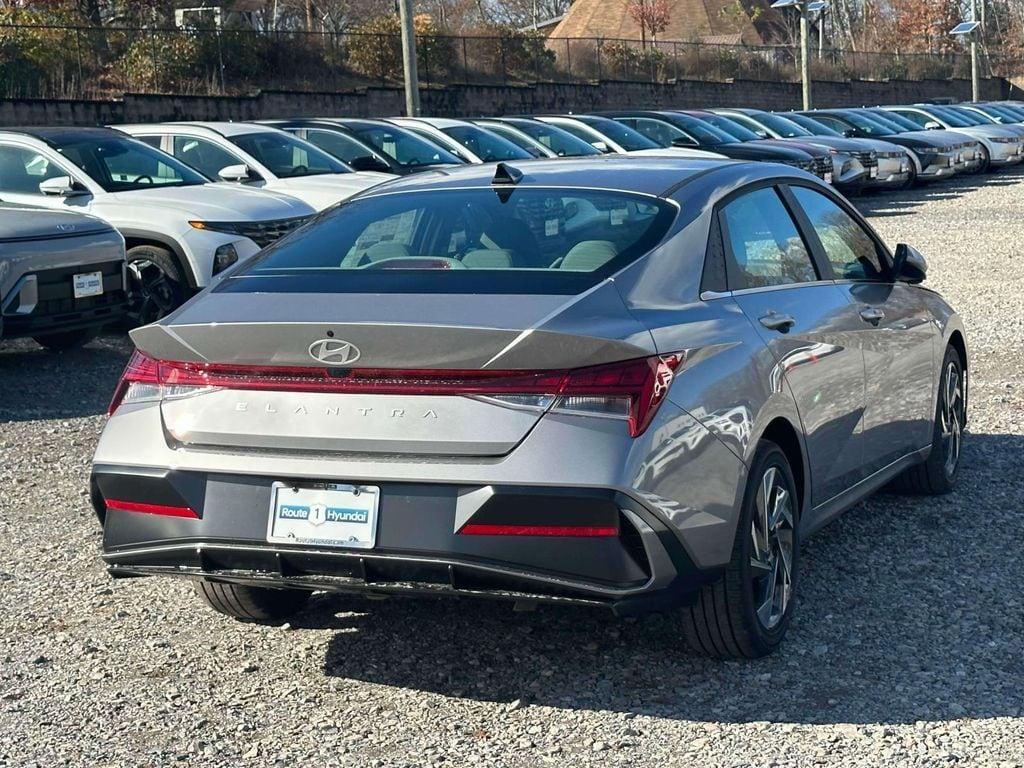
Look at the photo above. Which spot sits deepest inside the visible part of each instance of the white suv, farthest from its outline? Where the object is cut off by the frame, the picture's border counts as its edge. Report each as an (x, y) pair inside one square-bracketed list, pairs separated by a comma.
[(179, 229), (259, 156)]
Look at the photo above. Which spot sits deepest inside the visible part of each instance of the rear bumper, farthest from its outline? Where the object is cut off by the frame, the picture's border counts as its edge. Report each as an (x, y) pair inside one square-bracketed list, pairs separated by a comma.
[(418, 549)]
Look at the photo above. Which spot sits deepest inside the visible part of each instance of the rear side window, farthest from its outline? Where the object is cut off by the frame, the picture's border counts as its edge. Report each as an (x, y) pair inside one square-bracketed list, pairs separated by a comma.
[(460, 241), (764, 241), (851, 251)]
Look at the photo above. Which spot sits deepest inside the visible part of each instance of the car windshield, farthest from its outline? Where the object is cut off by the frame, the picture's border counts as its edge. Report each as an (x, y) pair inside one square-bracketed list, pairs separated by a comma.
[(504, 240), (871, 126), (812, 126), (562, 143), (122, 164), (489, 147), (287, 156), (941, 115), (406, 148), (718, 130), (340, 145), (783, 126), (516, 137), (1009, 114), (955, 118), (627, 138), (892, 121)]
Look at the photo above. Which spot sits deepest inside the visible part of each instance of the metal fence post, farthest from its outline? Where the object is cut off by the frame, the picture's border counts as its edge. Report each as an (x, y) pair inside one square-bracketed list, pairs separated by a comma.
[(599, 45), (152, 60), (504, 69), (465, 62), (78, 54), (568, 59)]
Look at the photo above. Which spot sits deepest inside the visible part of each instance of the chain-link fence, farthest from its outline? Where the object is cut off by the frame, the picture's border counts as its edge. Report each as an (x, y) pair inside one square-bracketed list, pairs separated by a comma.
[(84, 62)]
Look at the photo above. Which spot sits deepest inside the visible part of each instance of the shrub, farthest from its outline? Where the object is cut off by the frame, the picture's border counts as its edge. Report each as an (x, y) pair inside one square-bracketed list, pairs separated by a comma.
[(375, 49)]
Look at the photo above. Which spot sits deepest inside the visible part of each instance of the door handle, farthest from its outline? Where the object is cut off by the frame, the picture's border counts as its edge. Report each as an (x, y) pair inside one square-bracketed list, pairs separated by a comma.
[(773, 321), (872, 315)]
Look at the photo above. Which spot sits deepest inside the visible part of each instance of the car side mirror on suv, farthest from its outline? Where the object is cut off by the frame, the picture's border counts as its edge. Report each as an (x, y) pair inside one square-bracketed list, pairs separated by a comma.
[(931, 125), (909, 266), (368, 163), (237, 173), (601, 146), (62, 186)]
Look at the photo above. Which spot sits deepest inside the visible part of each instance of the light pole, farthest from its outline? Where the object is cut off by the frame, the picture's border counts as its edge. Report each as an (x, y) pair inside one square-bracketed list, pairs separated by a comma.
[(806, 8), (412, 80), (967, 29)]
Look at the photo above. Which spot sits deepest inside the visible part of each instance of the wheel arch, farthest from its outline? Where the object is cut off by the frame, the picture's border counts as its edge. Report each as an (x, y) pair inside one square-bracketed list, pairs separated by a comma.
[(959, 343), (782, 432), (133, 239)]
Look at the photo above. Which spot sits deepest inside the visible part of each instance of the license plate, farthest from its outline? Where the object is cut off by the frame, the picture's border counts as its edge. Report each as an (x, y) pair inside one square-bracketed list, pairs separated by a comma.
[(828, 177), (324, 515), (88, 284), (873, 173)]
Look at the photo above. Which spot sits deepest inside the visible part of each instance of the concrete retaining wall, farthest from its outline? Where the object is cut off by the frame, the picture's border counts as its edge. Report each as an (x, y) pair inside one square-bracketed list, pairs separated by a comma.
[(469, 100)]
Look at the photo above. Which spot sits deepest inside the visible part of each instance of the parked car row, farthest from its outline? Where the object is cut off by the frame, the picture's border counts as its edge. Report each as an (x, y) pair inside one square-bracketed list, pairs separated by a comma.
[(191, 199)]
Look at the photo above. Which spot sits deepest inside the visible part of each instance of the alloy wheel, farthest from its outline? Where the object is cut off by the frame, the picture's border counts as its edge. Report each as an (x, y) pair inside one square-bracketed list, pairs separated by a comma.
[(951, 417), (771, 559), (152, 293)]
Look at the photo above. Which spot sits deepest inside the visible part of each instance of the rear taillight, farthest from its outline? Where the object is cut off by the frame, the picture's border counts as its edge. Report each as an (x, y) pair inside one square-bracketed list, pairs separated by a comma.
[(631, 389), (139, 382)]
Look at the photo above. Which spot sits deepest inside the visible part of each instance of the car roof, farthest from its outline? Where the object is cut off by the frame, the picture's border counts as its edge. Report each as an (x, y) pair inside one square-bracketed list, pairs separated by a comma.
[(645, 175), (61, 133), (437, 122), (224, 128)]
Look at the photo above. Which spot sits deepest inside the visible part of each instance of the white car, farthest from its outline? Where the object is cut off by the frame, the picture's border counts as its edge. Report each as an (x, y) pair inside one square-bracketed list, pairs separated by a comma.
[(259, 156), (1000, 144), (612, 137), (464, 139), (180, 230)]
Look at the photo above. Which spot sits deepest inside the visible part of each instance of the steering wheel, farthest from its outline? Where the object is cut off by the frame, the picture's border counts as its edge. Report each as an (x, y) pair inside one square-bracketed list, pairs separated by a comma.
[(299, 170), (138, 179)]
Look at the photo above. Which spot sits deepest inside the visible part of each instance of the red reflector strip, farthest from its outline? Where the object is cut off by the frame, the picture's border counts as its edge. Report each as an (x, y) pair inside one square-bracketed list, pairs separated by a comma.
[(482, 529), (151, 509)]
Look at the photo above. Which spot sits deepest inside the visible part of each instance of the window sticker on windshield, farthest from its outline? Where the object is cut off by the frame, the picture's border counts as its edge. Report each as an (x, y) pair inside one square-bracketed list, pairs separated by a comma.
[(617, 216), (550, 227)]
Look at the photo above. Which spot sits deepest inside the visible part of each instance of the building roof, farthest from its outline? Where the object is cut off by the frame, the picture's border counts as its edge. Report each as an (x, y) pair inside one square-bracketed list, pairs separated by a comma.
[(748, 22)]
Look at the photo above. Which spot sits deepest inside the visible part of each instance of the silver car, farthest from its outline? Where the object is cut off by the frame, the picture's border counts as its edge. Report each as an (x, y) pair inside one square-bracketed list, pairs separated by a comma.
[(61, 275), (632, 383)]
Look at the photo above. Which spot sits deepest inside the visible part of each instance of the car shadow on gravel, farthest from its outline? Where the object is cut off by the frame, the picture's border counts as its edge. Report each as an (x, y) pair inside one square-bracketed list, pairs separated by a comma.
[(904, 202), (37, 384), (910, 609)]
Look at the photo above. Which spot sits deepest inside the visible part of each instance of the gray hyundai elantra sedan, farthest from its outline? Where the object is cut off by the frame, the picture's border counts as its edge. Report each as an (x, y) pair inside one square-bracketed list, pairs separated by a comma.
[(632, 383)]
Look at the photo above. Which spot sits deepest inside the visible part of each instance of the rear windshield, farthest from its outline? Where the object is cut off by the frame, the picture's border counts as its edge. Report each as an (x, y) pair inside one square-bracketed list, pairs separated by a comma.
[(496, 240), (287, 156)]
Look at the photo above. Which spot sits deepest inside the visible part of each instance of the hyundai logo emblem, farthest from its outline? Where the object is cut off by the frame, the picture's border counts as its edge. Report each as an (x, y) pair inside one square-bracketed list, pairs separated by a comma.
[(334, 351)]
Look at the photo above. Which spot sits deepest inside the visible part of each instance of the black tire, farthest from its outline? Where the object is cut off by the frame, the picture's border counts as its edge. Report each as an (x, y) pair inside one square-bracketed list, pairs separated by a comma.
[(65, 340), (938, 473), (155, 284), (724, 622), (256, 604), (986, 161), (911, 181)]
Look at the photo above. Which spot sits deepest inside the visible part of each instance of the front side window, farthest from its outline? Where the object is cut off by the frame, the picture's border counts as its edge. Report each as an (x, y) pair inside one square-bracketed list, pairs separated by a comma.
[(512, 135), (917, 118), (489, 147), (203, 155), (765, 242), (784, 126), (560, 142), (287, 156), (621, 134), (126, 164), (406, 148), (466, 241), (23, 169), (343, 147), (658, 131), (851, 251)]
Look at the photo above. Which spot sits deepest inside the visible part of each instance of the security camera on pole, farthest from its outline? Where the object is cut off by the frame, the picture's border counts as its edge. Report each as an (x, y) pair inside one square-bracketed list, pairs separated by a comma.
[(806, 8)]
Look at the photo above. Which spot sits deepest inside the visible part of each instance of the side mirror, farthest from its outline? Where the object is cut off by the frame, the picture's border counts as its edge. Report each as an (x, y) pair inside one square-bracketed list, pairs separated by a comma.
[(684, 141), (931, 125), (237, 173), (62, 186), (762, 134), (601, 146), (369, 163), (909, 265)]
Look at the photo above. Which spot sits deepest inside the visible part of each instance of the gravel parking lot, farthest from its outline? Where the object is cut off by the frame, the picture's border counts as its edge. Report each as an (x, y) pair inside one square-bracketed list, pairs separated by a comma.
[(907, 648)]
